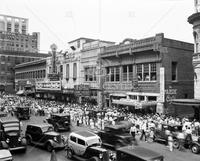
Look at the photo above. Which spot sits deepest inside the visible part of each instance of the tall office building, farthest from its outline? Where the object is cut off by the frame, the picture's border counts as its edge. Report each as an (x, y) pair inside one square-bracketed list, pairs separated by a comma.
[(14, 35), (16, 46)]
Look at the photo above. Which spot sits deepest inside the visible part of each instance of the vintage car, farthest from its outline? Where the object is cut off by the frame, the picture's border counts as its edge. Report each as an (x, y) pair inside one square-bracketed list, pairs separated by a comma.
[(10, 134), (86, 146), (22, 113), (195, 145), (43, 135), (130, 153), (5, 155), (161, 135), (60, 121), (115, 136)]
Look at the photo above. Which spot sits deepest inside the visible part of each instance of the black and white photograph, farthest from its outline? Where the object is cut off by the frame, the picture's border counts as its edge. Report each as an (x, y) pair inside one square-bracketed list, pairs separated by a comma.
[(99, 80)]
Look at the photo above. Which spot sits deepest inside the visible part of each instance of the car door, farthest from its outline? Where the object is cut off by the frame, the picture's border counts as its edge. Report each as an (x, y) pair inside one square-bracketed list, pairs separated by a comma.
[(81, 147), (34, 133)]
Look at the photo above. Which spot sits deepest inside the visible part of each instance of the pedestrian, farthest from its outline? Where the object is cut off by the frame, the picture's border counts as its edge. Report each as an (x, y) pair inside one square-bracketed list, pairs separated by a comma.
[(170, 142), (143, 133), (181, 140), (133, 132)]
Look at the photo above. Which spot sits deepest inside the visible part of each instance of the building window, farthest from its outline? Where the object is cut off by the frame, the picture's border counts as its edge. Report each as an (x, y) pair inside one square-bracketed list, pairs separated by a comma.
[(124, 73), (117, 74), (139, 72), (146, 72), (61, 71), (67, 71), (112, 76), (153, 71), (174, 71), (90, 74), (130, 72), (74, 71)]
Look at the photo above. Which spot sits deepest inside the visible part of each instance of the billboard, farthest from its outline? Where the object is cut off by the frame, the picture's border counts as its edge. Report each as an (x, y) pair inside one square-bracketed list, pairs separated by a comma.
[(53, 86)]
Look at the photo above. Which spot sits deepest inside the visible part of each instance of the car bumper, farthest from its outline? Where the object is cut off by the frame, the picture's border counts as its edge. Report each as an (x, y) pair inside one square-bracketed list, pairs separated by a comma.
[(59, 145), (17, 148)]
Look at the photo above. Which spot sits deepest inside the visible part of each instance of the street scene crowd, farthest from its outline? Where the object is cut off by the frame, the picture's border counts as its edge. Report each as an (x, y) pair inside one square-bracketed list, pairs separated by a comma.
[(141, 125)]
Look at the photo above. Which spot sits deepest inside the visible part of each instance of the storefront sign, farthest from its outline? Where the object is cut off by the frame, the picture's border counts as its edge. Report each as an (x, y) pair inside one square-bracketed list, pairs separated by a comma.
[(170, 94), (82, 87), (53, 77), (117, 86), (69, 91), (53, 85)]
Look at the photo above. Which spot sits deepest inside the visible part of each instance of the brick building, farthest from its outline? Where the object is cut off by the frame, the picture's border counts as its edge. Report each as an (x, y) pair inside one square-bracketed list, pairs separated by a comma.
[(147, 74)]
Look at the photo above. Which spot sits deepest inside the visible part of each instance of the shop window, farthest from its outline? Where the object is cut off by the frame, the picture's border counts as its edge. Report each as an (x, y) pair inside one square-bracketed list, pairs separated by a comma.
[(152, 98), (174, 71), (141, 98)]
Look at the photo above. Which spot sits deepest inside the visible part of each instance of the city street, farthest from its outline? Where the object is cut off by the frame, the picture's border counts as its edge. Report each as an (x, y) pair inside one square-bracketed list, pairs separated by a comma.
[(38, 154)]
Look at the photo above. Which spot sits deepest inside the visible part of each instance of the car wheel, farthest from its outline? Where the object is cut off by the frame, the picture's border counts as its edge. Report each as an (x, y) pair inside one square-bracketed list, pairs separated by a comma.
[(56, 128), (176, 144), (4, 145), (29, 141), (49, 147), (94, 159), (69, 153), (195, 149)]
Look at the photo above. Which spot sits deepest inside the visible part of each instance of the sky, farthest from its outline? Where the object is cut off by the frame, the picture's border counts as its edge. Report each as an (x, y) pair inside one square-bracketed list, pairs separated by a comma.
[(60, 21)]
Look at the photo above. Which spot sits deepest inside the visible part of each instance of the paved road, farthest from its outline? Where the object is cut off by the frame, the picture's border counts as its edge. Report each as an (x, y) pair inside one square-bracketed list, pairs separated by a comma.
[(38, 154)]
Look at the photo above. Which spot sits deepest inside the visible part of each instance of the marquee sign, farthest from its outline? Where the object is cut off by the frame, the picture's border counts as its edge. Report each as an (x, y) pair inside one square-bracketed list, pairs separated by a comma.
[(53, 85)]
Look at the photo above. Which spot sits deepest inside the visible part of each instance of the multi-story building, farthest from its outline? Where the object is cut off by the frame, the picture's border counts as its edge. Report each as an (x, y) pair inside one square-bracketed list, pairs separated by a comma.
[(148, 74), (8, 60), (14, 35), (194, 19), (16, 46), (91, 70)]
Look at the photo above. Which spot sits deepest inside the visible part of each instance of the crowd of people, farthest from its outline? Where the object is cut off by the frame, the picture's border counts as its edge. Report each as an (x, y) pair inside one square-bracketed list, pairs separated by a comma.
[(94, 117)]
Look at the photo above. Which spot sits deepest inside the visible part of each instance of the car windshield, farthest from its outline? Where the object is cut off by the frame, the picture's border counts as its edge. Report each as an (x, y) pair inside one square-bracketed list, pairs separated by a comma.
[(47, 129), (94, 141)]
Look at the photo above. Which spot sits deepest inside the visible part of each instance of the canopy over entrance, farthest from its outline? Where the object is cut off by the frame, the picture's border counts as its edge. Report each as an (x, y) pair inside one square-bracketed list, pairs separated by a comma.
[(187, 102), (195, 103)]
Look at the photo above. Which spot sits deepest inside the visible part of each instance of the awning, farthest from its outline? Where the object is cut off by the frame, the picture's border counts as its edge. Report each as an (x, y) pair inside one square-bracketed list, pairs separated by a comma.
[(138, 105), (187, 102), (20, 92), (118, 95)]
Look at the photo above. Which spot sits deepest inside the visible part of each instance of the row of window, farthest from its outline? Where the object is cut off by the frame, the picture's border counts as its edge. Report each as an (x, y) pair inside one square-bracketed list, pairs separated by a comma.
[(90, 74), (144, 72), (32, 74)]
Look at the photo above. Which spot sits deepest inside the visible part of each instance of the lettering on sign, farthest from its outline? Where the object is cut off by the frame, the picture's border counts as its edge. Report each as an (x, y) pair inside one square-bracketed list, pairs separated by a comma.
[(170, 94), (56, 85)]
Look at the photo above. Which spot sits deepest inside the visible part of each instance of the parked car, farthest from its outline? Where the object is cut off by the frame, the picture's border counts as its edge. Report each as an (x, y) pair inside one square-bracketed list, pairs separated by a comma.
[(22, 113), (43, 135), (195, 145), (115, 136), (5, 155), (60, 121), (10, 134), (130, 153), (160, 134), (85, 146)]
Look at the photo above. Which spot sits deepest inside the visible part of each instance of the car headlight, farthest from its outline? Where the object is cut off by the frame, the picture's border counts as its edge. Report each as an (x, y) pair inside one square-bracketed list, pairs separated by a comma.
[(19, 139), (7, 140), (55, 138), (100, 155)]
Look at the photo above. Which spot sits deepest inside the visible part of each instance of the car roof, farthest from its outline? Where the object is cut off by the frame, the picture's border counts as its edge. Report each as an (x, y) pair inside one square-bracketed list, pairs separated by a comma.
[(86, 135), (8, 119), (5, 154), (116, 127), (60, 114), (40, 125), (140, 152)]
